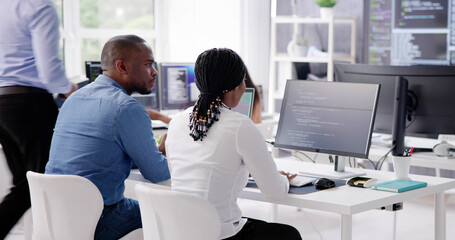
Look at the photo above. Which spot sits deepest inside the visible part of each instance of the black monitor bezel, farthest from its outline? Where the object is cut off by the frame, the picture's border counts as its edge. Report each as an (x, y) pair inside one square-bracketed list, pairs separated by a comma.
[(327, 151), (390, 72)]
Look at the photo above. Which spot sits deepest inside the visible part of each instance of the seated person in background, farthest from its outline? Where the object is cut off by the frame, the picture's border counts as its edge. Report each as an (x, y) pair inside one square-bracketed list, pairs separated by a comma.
[(101, 131), (212, 151), (256, 116)]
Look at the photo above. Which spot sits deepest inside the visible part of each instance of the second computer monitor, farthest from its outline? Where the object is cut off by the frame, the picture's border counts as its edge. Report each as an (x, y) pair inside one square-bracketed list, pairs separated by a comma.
[(327, 117), (178, 89), (430, 95), (92, 70), (245, 105)]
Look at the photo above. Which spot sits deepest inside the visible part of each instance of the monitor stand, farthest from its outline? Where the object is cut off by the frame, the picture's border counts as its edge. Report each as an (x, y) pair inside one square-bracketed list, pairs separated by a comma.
[(329, 171)]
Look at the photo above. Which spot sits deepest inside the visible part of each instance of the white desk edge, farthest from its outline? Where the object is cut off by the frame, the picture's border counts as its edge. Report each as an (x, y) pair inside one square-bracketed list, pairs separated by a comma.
[(347, 200)]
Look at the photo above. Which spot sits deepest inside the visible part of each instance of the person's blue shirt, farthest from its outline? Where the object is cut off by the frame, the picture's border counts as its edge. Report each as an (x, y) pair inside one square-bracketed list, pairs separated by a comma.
[(29, 46), (100, 132)]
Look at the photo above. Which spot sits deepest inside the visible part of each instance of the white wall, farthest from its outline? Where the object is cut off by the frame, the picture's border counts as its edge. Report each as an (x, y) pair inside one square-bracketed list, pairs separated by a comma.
[(188, 27), (192, 26)]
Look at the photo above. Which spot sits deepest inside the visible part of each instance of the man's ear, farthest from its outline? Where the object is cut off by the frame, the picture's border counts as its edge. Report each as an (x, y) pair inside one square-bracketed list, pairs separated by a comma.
[(120, 66)]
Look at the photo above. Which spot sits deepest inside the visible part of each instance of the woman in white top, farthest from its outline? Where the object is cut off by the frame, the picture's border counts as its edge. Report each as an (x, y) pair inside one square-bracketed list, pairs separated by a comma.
[(212, 150)]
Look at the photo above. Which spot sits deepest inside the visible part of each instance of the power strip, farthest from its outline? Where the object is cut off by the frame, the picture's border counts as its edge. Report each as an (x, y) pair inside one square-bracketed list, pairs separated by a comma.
[(449, 138)]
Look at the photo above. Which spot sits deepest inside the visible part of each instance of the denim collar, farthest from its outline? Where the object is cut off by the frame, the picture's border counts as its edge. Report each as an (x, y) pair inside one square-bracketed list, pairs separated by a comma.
[(105, 80)]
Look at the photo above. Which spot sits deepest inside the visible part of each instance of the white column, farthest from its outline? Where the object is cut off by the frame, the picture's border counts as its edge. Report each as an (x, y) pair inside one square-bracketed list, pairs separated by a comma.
[(330, 51)]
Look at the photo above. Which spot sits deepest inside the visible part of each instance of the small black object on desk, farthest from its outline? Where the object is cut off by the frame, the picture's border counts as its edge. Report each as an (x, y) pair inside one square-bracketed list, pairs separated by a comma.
[(324, 183)]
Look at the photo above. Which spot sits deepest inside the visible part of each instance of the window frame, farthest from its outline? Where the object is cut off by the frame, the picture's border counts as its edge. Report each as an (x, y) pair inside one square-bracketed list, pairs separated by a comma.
[(73, 35)]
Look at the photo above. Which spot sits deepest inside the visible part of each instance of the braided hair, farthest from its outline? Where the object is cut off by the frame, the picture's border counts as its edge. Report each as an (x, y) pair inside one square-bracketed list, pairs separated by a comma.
[(217, 71)]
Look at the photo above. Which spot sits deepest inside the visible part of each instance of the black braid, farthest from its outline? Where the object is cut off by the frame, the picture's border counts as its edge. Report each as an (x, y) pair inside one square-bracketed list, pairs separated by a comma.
[(217, 71)]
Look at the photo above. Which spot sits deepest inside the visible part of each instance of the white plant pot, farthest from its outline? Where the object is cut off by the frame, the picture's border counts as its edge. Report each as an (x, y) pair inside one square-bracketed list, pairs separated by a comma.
[(295, 50), (326, 12)]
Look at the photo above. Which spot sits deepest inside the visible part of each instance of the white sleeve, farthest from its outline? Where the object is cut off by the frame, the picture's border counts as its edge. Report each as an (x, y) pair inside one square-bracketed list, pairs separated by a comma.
[(253, 149)]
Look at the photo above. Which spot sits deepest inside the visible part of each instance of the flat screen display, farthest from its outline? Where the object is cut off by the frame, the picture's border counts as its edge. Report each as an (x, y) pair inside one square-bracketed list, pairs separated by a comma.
[(245, 105), (178, 88), (328, 117)]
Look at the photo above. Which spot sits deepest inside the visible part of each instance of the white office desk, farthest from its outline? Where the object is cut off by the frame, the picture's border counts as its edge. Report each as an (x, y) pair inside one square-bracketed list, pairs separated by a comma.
[(346, 200), (419, 159)]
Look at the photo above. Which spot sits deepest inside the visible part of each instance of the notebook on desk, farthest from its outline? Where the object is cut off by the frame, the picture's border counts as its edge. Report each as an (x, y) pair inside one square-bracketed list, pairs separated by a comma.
[(399, 185)]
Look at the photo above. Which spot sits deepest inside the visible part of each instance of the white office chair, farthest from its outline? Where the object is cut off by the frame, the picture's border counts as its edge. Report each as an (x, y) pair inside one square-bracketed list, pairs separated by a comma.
[(66, 207), (170, 215)]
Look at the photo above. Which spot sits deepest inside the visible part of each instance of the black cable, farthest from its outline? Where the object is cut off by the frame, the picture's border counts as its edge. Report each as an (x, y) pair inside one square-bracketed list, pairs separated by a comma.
[(372, 162), (312, 160), (385, 157), (412, 114), (299, 158)]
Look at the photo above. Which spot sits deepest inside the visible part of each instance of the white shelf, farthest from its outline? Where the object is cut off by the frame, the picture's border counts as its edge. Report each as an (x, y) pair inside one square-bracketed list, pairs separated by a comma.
[(286, 58), (291, 19), (344, 58), (275, 93)]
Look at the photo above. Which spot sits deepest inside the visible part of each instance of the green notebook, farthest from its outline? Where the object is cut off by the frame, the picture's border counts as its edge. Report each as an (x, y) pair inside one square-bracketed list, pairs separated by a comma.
[(399, 185)]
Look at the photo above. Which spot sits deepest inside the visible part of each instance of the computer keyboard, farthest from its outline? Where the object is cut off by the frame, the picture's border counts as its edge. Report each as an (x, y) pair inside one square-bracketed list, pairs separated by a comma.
[(300, 180)]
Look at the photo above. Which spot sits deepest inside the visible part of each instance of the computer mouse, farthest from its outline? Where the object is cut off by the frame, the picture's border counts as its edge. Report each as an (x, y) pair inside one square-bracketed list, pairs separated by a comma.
[(324, 183)]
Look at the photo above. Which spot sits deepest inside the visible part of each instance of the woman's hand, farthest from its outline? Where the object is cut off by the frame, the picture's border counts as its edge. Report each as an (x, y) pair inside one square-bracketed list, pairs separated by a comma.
[(288, 175)]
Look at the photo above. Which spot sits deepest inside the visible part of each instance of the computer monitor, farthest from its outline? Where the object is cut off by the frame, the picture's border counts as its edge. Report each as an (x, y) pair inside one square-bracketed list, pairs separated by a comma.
[(92, 70), (430, 97), (327, 117), (151, 100), (178, 89), (245, 105), (409, 32)]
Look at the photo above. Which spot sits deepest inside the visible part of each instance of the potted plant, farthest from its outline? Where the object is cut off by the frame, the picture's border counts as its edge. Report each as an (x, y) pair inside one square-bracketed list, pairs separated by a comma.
[(298, 46), (326, 7)]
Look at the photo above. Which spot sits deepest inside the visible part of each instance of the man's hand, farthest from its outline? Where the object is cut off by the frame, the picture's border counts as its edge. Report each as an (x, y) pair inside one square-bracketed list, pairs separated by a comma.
[(74, 88), (161, 147), (155, 115)]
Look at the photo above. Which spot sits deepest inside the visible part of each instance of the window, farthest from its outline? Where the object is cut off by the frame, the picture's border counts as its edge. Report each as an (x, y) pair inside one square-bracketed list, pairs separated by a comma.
[(85, 32)]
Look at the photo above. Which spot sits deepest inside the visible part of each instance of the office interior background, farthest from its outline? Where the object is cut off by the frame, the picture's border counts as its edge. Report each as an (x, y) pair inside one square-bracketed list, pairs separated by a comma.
[(179, 30)]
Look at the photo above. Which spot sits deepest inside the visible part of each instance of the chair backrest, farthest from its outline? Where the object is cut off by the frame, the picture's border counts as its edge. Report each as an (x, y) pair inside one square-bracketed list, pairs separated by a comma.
[(170, 215), (64, 206)]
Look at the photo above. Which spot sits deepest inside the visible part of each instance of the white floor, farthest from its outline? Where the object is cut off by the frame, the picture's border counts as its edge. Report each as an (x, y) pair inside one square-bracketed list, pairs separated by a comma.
[(415, 221)]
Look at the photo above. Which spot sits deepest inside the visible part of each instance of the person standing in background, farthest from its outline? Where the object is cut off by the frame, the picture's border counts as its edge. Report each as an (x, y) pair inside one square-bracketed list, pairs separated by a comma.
[(30, 70)]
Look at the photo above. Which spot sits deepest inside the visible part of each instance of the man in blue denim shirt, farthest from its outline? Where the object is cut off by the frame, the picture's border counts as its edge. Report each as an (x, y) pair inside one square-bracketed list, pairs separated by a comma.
[(101, 131)]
